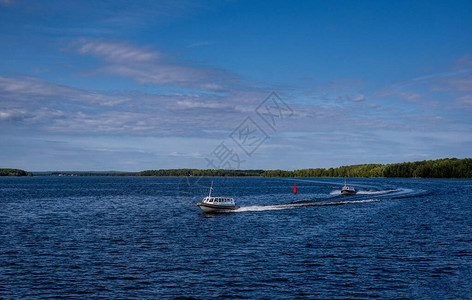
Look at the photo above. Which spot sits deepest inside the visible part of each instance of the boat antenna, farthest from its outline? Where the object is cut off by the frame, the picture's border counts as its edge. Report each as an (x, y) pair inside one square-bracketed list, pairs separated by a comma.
[(348, 175), (211, 189)]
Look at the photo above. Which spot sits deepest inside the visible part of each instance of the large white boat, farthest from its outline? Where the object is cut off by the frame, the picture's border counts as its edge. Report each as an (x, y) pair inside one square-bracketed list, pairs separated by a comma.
[(348, 190), (217, 204)]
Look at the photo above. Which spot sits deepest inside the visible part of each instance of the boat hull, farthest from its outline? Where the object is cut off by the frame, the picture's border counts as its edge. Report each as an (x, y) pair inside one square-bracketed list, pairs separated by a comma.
[(215, 208), (348, 192)]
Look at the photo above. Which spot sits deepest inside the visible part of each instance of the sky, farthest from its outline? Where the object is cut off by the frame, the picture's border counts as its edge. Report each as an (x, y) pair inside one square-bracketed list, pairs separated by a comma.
[(139, 85)]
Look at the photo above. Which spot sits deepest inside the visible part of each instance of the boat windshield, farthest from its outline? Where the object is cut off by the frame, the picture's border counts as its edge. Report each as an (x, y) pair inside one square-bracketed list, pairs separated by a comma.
[(219, 200)]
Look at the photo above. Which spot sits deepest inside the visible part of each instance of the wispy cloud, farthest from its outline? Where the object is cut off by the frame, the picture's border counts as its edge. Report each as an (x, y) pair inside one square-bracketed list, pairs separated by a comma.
[(168, 75), (147, 66), (447, 90), (45, 106), (48, 107), (13, 115), (30, 89), (356, 97), (192, 154), (116, 51), (399, 94)]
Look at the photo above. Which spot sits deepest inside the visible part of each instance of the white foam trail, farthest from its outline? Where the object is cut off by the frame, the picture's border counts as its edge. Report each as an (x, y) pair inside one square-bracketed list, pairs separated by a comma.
[(292, 206), (375, 192), (338, 192), (407, 191)]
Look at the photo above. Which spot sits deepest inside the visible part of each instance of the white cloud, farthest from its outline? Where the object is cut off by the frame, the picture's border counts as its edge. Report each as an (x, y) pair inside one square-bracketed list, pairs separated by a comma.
[(45, 106), (115, 51), (164, 74), (187, 103), (193, 154), (356, 97), (13, 115), (409, 96), (30, 88), (149, 67)]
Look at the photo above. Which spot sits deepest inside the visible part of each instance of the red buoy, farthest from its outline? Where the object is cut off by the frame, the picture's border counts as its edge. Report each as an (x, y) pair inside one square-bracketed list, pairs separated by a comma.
[(295, 188)]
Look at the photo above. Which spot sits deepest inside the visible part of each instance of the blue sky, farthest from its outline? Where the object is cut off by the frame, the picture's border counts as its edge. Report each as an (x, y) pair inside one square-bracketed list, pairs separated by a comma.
[(119, 85)]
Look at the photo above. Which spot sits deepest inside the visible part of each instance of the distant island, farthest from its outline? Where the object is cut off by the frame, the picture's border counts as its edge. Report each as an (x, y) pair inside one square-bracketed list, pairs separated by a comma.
[(198, 173), (440, 168), (14, 172)]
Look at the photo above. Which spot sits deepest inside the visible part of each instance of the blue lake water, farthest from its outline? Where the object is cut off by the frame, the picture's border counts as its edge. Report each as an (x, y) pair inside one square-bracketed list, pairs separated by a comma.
[(135, 237)]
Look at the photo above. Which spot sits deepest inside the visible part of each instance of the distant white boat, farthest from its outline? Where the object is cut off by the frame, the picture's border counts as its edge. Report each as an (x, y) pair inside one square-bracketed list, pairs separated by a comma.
[(348, 190), (217, 204)]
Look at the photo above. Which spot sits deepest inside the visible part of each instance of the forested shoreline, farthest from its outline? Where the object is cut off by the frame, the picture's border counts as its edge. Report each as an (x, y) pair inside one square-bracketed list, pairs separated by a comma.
[(440, 168), (14, 172), (198, 173)]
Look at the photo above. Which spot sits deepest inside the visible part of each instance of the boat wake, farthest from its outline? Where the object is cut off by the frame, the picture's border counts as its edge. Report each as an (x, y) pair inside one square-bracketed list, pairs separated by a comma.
[(298, 205), (392, 193), (371, 192), (335, 198)]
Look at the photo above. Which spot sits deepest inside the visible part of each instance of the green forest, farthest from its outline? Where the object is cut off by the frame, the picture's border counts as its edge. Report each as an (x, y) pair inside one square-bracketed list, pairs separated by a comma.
[(197, 172), (440, 168), (14, 172)]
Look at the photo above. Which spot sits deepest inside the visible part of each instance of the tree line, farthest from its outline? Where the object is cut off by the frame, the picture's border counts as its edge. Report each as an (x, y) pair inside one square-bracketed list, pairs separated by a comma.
[(440, 168), (14, 172), (197, 172)]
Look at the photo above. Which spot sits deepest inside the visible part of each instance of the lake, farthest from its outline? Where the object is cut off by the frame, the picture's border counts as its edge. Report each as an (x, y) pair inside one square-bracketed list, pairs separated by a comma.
[(144, 237)]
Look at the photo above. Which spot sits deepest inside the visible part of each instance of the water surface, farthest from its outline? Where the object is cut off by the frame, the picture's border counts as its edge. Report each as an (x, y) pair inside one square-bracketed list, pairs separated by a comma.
[(123, 237)]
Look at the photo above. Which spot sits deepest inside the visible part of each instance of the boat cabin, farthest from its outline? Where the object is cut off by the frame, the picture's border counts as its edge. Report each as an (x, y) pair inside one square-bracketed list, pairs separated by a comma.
[(219, 200)]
